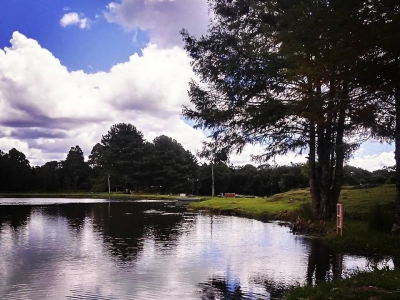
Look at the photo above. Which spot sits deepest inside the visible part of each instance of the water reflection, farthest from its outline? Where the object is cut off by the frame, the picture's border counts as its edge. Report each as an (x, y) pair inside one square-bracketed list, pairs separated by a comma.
[(152, 250)]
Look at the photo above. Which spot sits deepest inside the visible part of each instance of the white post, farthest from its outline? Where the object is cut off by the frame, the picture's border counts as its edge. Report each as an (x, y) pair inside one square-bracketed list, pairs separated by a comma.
[(339, 218)]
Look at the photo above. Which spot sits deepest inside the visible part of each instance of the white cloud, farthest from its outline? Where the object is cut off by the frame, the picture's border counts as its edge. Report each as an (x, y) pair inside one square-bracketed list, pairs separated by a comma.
[(163, 19), (73, 18), (47, 109), (372, 162)]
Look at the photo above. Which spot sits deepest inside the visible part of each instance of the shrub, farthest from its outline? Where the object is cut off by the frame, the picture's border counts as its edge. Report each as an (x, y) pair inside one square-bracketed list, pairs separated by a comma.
[(379, 219), (305, 211)]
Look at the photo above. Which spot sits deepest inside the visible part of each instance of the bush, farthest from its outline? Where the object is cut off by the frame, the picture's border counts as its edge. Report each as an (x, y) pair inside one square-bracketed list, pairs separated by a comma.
[(379, 219), (305, 211)]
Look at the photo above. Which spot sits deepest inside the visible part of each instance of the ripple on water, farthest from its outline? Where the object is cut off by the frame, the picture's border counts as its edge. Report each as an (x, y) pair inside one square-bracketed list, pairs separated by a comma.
[(149, 250)]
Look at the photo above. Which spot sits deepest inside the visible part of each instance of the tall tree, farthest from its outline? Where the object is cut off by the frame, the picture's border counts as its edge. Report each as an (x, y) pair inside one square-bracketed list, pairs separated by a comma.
[(279, 73), (381, 73), (175, 168), (17, 171), (122, 151), (48, 176), (75, 167)]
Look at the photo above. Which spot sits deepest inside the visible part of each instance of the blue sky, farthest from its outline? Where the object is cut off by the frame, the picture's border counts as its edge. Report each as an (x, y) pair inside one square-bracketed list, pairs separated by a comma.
[(97, 48), (71, 69)]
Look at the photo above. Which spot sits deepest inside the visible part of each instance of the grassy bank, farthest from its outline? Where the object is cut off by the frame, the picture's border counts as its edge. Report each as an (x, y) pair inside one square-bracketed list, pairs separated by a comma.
[(279, 206), (358, 235), (365, 209), (357, 202), (116, 196), (383, 284)]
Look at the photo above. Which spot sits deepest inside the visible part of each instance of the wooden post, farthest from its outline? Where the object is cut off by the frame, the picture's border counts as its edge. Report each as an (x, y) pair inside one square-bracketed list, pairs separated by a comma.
[(339, 219)]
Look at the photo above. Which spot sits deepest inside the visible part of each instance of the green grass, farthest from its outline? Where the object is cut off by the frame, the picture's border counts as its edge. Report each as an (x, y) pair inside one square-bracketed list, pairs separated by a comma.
[(278, 206), (358, 237), (382, 284), (357, 202)]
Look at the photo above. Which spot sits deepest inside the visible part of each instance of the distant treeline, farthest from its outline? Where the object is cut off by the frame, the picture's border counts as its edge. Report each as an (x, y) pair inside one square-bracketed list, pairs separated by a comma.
[(162, 166)]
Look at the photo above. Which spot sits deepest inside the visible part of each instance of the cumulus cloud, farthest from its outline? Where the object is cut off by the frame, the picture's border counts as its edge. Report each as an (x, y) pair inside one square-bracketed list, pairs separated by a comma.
[(163, 19), (73, 18), (45, 109), (373, 161)]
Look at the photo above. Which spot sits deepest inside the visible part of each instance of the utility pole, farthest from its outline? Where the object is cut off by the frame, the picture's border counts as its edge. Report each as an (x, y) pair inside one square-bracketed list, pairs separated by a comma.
[(212, 181), (109, 188)]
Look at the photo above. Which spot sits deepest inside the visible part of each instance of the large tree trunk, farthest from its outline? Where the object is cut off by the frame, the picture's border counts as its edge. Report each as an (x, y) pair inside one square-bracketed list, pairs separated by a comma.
[(339, 161), (397, 146), (324, 155), (314, 186)]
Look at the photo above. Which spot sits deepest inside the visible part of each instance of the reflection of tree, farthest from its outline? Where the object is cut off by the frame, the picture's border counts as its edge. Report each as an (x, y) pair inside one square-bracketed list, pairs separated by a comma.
[(218, 288), (275, 289), (396, 263), (15, 215), (125, 226), (320, 260)]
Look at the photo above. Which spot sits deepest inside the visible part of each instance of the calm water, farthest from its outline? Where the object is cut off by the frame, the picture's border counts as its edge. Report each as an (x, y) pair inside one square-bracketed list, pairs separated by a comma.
[(94, 249)]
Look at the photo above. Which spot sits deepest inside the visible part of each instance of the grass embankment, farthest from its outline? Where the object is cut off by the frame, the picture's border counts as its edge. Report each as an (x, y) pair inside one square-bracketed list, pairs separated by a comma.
[(279, 206), (118, 196), (357, 237), (364, 209), (375, 285)]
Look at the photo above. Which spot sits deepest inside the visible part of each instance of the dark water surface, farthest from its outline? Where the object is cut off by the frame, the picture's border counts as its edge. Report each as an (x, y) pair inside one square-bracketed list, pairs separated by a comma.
[(95, 249)]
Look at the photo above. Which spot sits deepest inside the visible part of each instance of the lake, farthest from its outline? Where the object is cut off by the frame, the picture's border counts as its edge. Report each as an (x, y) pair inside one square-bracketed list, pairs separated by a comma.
[(97, 249)]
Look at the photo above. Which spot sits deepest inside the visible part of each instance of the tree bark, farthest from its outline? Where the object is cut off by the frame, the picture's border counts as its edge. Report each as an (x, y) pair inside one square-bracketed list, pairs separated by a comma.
[(324, 151), (314, 188), (397, 146), (340, 152)]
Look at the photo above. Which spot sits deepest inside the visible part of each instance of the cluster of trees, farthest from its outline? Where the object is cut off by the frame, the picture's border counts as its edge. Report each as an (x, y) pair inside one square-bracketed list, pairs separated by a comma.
[(122, 156), (17, 175), (319, 76), (136, 164), (160, 166), (266, 180)]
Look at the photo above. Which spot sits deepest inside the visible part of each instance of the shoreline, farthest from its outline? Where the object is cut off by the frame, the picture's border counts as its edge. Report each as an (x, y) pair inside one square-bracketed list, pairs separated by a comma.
[(285, 208), (89, 195)]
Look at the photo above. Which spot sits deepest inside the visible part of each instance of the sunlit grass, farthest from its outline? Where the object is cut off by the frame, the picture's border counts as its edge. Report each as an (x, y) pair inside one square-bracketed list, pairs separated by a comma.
[(382, 284), (256, 207), (357, 236), (357, 202)]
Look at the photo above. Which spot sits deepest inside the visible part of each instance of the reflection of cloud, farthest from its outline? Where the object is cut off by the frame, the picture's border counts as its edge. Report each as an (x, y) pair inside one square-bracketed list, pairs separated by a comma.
[(63, 251)]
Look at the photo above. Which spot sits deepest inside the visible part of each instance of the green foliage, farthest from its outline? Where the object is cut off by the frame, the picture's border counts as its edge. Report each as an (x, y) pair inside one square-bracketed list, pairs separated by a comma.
[(380, 219), (76, 169), (305, 211), (133, 163), (281, 74), (15, 171), (173, 166)]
